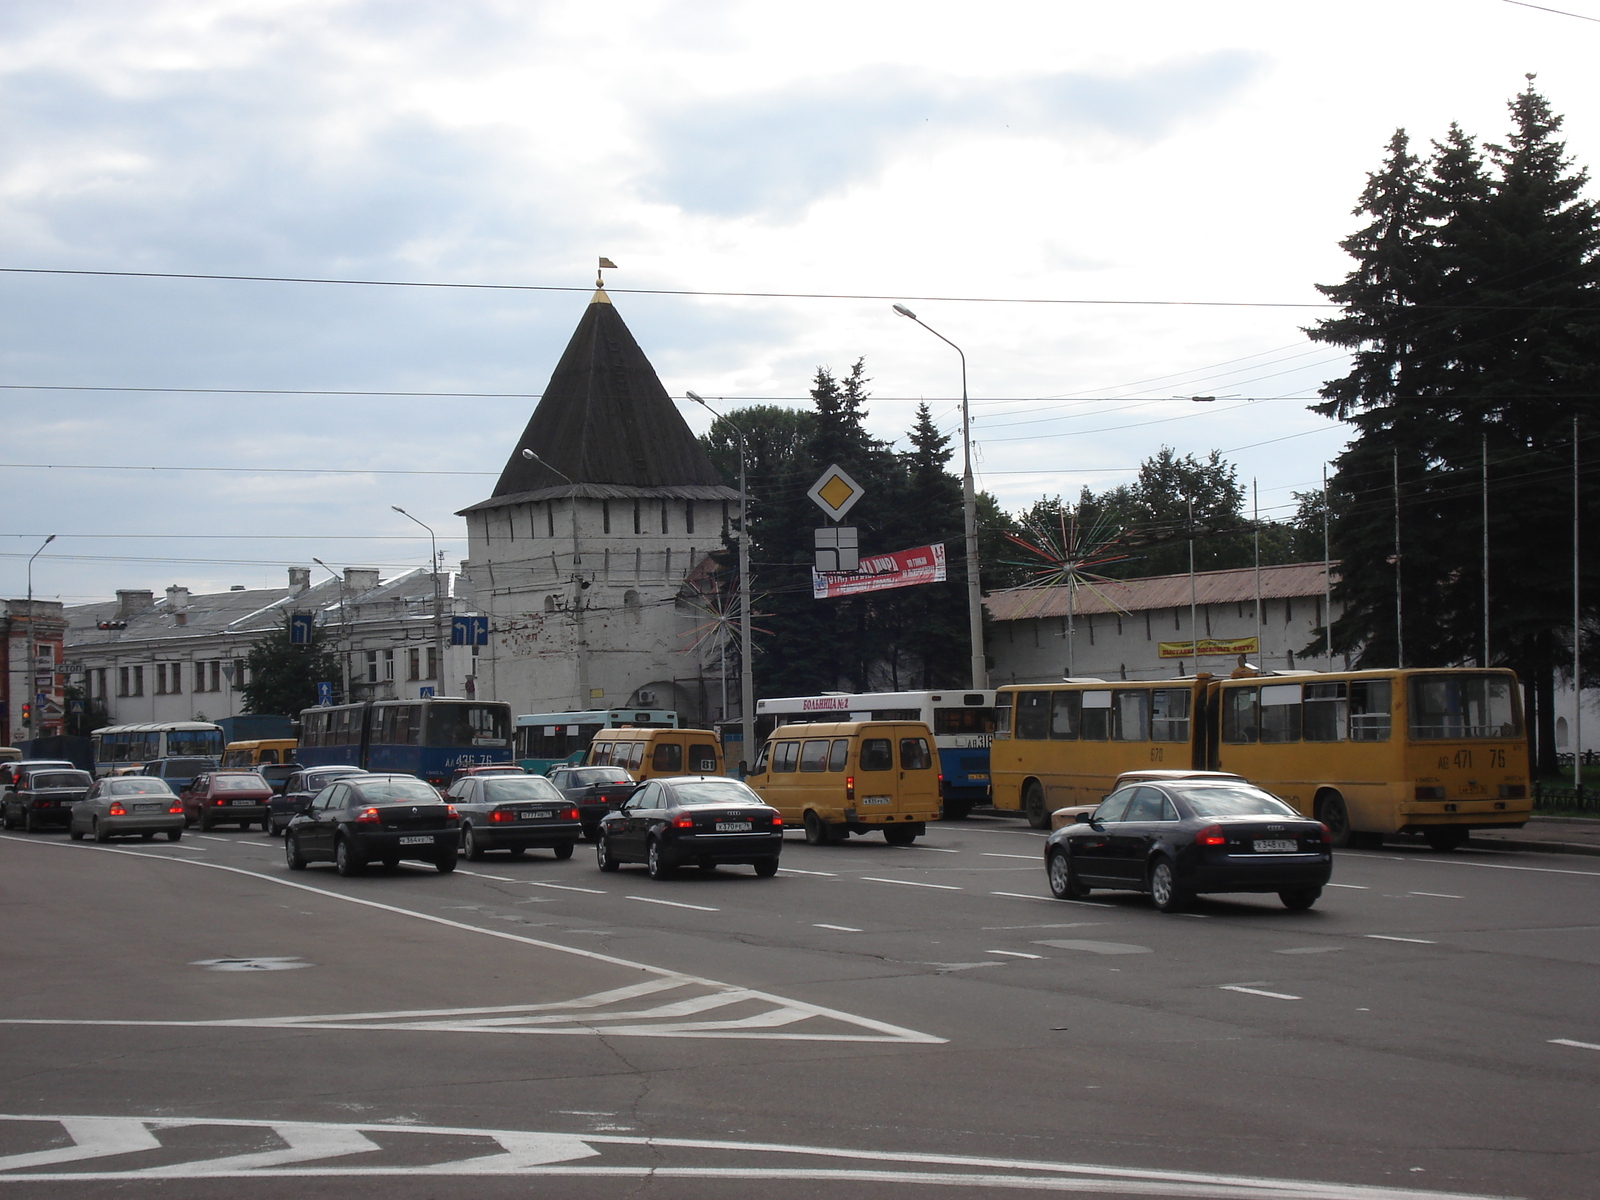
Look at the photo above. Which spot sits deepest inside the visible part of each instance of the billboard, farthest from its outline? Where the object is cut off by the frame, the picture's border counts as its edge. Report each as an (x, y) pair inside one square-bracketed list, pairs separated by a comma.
[(880, 572), (1209, 648)]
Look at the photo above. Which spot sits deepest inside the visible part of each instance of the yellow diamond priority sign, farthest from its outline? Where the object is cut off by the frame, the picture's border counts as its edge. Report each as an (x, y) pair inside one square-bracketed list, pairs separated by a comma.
[(835, 493)]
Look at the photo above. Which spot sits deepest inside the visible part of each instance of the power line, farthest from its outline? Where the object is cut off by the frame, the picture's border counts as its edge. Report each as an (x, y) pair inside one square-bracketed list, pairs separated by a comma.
[(1559, 12)]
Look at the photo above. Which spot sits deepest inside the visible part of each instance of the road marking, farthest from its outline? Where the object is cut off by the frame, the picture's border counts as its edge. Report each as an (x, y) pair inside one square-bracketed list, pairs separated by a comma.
[(1386, 937), (1239, 987), (1439, 895), (1052, 899), (608, 1156), (211, 837), (1094, 947), (840, 928), (561, 887), (1013, 954), (93, 1137), (1029, 857), (943, 887), (798, 871), (1358, 887), (251, 964), (1310, 950), (481, 875), (877, 1031), (673, 903), (1457, 862), (1570, 1042), (935, 849)]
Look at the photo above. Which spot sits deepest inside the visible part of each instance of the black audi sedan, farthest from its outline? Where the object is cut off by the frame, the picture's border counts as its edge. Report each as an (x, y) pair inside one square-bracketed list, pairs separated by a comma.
[(1182, 838), (707, 820), (514, 812), (595, 790), (374, 818)]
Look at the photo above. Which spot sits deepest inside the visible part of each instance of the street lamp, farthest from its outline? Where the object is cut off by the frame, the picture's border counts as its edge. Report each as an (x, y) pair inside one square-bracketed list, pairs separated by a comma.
[(33, 644), (438, 600), (578, 585), (747, 687), (969, 510), (532, 457), (344, 629)]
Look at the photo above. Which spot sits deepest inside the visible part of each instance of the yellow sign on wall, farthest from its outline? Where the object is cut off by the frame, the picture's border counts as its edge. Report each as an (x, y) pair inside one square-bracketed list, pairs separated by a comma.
[(1210, 648)]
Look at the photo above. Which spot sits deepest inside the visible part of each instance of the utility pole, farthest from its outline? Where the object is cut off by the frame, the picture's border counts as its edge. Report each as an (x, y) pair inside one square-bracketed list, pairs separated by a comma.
[(33, 647), (438, 601)]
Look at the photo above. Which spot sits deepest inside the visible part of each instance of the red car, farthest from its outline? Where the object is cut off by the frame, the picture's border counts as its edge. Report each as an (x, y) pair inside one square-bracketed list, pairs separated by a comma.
[(227, 798)]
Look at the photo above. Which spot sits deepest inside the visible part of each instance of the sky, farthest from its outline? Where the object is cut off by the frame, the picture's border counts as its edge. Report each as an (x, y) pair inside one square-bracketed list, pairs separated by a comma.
[(1109, 208)]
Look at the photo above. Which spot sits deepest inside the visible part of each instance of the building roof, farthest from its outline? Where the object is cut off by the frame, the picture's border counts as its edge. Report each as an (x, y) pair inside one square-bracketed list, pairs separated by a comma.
[(1291, 581), (604, 419)]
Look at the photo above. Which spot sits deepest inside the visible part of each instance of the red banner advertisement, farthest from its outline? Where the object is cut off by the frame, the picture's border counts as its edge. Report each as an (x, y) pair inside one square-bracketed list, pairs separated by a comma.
[(903, 568)]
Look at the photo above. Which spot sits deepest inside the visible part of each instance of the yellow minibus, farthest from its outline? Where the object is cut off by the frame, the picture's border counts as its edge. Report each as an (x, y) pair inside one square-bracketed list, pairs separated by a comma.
[(259, 753), (654, 753)]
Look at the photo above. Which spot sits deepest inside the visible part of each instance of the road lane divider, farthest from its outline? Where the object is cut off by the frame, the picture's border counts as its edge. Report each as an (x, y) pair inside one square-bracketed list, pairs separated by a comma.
[(1389, 937), (673, 903), (1030, 857), (1437, 895), (1014, 954), (798, 871), (1250, 991), (1570, 1042), (563, 887), (836, 928), (943, 887)]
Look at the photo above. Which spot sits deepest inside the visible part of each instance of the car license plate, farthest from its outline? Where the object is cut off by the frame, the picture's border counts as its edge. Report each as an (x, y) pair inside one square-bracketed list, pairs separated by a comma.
[(734, 826), (147, 808), (533, 816), (415, 841), (1275, 846), (875, 799), (243, 802)]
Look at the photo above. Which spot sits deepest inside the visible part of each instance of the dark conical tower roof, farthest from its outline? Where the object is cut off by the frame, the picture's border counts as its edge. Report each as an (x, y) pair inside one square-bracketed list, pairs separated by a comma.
[(605, 420)]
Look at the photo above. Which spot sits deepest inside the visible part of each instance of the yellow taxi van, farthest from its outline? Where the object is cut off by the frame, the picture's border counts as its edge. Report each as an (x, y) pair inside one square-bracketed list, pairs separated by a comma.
[(851, 777), (655, 753), (258, 753)]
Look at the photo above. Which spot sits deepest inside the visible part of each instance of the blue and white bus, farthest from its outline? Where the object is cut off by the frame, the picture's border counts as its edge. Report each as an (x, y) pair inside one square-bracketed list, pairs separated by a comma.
[(548, 740), (962, 724), (428, 738)]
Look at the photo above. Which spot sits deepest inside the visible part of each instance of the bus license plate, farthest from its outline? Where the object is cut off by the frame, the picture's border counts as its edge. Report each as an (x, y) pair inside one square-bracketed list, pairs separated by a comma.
[(1275, 846), (876, 799), (531, 816), (983, 775), (415, 841), (734, 826)]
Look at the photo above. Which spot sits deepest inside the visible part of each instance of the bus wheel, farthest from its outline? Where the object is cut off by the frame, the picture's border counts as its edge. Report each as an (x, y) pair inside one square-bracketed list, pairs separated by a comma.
[(1033, 806), (956, 810), (1446, 838), (1330, 810)]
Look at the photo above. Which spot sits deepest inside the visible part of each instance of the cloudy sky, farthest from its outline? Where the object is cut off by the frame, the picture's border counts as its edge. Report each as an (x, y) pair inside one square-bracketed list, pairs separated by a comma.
[(1180, 173)]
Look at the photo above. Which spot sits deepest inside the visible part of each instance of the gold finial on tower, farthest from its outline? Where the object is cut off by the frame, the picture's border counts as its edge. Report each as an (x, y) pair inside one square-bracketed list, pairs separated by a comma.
[(599, 279)]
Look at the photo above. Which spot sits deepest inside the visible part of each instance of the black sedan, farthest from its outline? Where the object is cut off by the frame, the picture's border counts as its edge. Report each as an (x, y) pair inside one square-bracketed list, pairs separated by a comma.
[(299, 790), (42, 797), (374, 818), (595, 790), (708, 820), (514, 812), (1179, 839)]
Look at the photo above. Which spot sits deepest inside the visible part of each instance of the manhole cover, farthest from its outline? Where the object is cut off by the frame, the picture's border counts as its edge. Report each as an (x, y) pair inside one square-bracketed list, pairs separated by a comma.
[(251, 964)]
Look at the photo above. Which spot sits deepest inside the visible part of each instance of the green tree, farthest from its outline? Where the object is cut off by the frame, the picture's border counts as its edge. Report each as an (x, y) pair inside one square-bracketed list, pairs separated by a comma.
[(284, 676)]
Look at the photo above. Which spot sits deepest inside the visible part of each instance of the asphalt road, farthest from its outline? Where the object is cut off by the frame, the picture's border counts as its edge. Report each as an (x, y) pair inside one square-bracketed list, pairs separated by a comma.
[(874, 1021)]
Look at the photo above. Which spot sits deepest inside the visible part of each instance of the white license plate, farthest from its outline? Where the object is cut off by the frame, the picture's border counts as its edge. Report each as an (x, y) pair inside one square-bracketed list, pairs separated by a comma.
[(977, 775), (533, 816), (147, 808), (1275, 846), (244, 802), (876, 799), (416, 841), (734, 826)]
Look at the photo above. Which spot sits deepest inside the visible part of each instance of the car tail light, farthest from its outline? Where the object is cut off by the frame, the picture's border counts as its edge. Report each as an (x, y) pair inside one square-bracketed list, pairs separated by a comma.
[(570, 813), (684, 822), (450, 813), (116, 809), (1211, 835), (850, 788), (177, 807), (368, 816), (1326, 836), (777, 818), (502, 816), (1430, 793), (218, 800)]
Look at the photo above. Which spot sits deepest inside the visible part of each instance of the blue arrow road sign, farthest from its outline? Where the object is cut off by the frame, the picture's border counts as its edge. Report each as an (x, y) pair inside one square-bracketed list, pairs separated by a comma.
[(324, 693), (469, 631), (300, 629)]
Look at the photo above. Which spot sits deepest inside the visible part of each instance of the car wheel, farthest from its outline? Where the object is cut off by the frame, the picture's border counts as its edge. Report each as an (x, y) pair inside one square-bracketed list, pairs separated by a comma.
[(7, 819), (291, 852), (1033, 806), (344, 858), (173, 835), (1331, 811), (956, 810), (205, 823), (1300, 899), (75, 833), (818, 831), (470, 845), (602, 855), (147, 837), (445, 863), (899, 835), (656, 861), (1064, 883), (767, 867), (1446, 839), (1164, 889), (101, 835), (706, 867), (564, 850), (391, 864), (519, 851)]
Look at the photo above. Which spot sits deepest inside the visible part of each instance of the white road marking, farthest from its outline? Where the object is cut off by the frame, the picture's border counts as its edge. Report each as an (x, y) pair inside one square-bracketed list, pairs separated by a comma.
[(93, 1137), (798, 871), (935, 849), (1357, 887), (1025, 896), (562, 887), (481, 875), (943, 887), (1013, 953), (548, 1155), (673, 903), (1386, 937), (1029, 857), (1458, 862), (1439, 895), (306, 1143), (1570, 1042), (1094, 947), (839, 928), (880, 1031), (1237, 987), (1310, 950)]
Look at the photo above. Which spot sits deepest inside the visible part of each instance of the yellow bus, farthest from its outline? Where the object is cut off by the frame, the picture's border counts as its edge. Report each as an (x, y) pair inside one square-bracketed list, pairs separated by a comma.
[(1438, 752), (1066, 743)]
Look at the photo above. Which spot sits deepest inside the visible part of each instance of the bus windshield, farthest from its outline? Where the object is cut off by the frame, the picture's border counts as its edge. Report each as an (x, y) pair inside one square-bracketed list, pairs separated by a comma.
[(1463, 706), (452, 725)]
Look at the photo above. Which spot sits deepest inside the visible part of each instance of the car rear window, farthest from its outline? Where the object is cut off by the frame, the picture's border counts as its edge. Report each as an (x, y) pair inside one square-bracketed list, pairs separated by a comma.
[(519, 787), (238, 783), (396, 791), (60, 779), (140, 787), (1214, 801), (590, 775), (714, 791)]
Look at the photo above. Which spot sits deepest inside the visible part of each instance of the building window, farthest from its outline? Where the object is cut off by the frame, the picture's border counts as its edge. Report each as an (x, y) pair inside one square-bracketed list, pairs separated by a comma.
[(413, 663), (550, 518), (122, 681), (199, 677), (663, 516), (372, 666), (433, 662), (638, 517), (216, 675), (605, 516), (239, 679), (388, 665), (688, 516)]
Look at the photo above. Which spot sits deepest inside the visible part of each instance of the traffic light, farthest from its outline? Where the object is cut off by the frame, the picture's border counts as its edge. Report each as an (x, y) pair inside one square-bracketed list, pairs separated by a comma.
[(27, 714)]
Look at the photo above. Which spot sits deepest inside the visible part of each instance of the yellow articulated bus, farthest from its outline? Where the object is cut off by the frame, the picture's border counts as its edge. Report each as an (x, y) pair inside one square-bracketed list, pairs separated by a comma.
[(1437, 752)]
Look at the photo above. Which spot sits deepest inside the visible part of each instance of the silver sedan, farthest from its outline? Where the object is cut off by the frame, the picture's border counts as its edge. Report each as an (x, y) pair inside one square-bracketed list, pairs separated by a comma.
[(129, 804)]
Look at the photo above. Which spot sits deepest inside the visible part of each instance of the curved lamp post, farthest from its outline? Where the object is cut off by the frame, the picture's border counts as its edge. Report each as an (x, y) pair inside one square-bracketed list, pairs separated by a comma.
[(33, 642), (438, 601)]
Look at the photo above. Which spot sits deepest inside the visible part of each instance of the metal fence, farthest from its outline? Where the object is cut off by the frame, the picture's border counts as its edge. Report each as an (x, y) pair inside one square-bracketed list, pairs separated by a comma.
[(1548, 798)]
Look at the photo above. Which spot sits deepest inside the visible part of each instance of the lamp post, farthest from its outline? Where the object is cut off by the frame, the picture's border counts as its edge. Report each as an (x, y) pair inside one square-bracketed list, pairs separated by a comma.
[(969, 512), (747, 687), (344, 629), (33, 643), (438, 600), (578, 585), (532, 457)]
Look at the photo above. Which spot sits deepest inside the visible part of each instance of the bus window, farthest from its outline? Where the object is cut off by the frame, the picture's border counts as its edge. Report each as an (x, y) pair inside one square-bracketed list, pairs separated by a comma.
[(1462, 706), (875, 753), (1095, 720), (783, 759), (668, 756), (635, 757), (1369, 710), (1323, 712), (1033, 717), (1169, 715), (1280, 712), (703, 757), (601, 755), (452, 725), (1132, 716), (1239, 715), (896, 714), (1064, 710), (814, 756), (948, 721), (1002, 715), (914, 754), (839, 755), (268, 756)]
